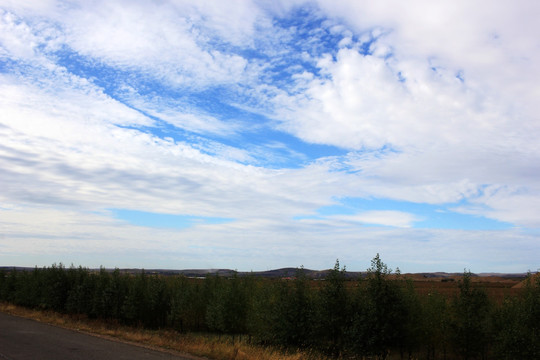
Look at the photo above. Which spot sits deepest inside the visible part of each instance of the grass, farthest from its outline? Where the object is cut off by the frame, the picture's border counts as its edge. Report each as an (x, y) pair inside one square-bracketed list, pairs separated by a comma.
[(193, 345)]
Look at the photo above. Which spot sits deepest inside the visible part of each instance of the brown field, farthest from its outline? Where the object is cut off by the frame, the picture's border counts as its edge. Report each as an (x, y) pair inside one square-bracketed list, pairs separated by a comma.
[(496, 287)]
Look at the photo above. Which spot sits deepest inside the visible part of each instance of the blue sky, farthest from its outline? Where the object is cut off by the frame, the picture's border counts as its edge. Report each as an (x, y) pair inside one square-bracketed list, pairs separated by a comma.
[(256, 135)]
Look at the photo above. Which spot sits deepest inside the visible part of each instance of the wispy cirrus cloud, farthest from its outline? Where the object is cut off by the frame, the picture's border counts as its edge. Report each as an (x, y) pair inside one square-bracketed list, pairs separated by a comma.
[(184, 50), (381, 217), (263, 113)]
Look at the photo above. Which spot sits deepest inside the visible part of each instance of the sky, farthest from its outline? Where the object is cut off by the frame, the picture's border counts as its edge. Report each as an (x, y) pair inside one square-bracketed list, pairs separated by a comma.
[(255, 135)]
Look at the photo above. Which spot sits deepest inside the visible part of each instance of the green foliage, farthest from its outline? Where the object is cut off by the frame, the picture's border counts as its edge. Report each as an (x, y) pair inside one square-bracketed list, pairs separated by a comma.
[(377, 315), (55, 288), (470, 320), (332, 312), (81, 296), (3, 281), (517, 324), (227, 307), (293, 312), (262, 320), (146, 302), (282, 312), (411, 338), (435, 324), (380, 316), (187, 308)]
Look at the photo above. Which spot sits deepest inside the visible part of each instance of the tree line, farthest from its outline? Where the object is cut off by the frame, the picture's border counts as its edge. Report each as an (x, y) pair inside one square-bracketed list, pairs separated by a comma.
[(380, 315)]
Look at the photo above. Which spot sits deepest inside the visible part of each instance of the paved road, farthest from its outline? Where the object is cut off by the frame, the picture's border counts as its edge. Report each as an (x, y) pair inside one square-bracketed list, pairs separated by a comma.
[(27, 339)]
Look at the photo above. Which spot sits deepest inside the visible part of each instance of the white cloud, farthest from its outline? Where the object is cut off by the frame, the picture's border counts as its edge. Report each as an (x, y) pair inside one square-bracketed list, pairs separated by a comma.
[(391, 218), (162, 41), (451, 87), (178, 113), (171, 42), (70, 236), (519, 206), (66, 149), (362, 103), (444, 110), (16, 39), (383, 217)]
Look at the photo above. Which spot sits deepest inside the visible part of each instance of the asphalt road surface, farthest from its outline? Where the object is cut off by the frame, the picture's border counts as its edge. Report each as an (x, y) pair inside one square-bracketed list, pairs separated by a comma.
[(27, 339)]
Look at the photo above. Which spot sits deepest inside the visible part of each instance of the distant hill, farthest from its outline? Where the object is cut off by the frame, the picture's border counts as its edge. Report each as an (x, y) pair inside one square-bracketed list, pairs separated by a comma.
[(288, 272)]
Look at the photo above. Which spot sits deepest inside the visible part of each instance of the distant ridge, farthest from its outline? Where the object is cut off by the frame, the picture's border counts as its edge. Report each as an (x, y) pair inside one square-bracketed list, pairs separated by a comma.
[(288, 272)]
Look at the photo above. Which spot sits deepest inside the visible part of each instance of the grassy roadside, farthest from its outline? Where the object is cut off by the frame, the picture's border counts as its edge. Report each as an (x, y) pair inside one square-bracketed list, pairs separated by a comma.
[(197, 345)]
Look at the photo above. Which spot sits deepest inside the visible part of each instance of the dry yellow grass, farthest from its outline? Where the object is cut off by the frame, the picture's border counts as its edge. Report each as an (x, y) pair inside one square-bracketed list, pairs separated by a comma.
[(197, 345), (533, 281)]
